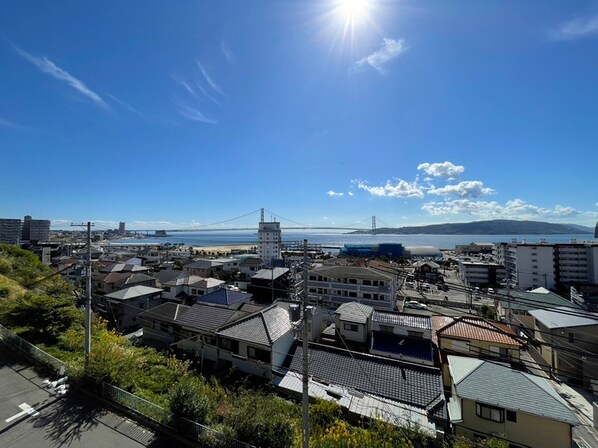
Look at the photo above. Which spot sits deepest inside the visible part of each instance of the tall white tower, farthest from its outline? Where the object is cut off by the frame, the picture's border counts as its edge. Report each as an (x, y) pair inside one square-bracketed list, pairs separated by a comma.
[(269, 240)]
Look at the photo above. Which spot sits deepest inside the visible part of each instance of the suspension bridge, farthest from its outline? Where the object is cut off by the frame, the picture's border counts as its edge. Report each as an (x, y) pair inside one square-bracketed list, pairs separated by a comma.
[(224, 225)]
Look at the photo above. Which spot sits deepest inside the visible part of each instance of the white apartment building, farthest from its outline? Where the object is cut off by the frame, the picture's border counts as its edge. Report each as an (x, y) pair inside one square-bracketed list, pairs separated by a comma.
[(479, 273), (269, 241), (335, 285), (549, 265)]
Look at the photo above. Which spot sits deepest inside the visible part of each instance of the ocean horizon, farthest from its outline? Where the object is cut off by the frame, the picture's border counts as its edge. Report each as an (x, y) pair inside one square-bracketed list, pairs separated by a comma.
[(338, 239)]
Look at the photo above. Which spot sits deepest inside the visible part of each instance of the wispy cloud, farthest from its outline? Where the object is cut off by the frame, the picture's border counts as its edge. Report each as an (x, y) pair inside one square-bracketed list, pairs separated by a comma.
[(50, 68), (228, 54), (446, 170), (134, 110), (398, 189), (208, 96), (516, 208), (185, 85), (12, 125), (194, 114), (465, 189), (209, 80), (389, 50), (334, 194), (578, 28)]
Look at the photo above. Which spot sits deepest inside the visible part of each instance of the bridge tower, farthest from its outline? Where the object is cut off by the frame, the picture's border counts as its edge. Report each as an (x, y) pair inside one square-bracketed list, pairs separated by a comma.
[(262, 215), (373, 223)]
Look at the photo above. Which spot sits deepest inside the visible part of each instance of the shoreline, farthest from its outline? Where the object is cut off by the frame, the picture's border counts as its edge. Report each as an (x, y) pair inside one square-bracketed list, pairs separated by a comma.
[(226, 249)]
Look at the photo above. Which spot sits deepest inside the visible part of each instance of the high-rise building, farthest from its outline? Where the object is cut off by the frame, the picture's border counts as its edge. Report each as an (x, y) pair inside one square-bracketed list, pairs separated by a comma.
[(35, 230), (269, 241), (121, 228), (596, 231), (10, 231)]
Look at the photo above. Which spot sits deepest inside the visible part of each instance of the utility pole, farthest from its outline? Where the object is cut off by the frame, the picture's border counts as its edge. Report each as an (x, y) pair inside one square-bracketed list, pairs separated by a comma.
[(305, 397), (87, 294)]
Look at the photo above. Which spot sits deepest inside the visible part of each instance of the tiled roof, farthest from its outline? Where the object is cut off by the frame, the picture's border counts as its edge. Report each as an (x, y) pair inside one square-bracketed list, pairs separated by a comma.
[(133, 292), (262, 328), (206, 283), (565, 317), (224, 296), (498, 385), (409, 383), (202, 264), (113, 277), (168, 275), (403, 346), (208, 317), (354, 312), (166, 312), (135, 278), (405, 320), (472, 328)]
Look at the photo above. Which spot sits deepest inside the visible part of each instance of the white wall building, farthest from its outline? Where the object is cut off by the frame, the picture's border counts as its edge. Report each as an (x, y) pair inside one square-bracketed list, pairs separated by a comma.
[(269, 241)]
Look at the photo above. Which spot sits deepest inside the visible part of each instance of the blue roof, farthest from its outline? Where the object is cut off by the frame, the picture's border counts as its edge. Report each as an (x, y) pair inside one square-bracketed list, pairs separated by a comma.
[(224, 296), (403, 346)]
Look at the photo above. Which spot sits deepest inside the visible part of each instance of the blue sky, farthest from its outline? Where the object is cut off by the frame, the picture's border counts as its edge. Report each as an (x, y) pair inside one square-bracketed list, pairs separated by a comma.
[(187, 113)]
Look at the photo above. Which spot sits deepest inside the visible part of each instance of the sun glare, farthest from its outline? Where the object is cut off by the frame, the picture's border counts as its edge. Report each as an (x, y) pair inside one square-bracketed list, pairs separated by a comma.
[(353, 11)]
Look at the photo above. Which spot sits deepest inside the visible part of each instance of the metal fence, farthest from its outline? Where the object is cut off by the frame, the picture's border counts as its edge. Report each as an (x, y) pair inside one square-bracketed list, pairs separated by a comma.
[(207, 436), (36, 353), (204, 435)]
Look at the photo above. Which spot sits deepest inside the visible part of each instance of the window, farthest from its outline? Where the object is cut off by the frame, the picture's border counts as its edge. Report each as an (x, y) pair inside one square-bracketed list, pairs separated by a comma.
[(367, 295), (489, 412), (415, 334), (351, 327), (386, 329), (230, 345), (367, 282), (352, 294), (353, 281), (512, 416), (260, 355)]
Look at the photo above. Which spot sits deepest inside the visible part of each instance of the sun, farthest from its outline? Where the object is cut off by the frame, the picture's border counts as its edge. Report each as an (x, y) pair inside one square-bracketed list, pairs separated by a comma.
[(353, 11)]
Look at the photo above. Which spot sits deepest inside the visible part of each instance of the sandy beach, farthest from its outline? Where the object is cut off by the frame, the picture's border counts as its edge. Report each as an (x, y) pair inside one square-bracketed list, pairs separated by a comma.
[(223, 249)]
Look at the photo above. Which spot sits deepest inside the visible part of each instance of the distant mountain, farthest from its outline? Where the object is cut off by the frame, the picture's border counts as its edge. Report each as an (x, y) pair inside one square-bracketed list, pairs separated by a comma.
[(491, 227)]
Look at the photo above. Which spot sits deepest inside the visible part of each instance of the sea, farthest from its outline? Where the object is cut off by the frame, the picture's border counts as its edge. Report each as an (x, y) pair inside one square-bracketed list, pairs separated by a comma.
[(336, 239)]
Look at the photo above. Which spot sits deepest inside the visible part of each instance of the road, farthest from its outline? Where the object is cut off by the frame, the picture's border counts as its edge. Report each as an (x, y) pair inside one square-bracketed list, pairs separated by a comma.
[(30, 416)]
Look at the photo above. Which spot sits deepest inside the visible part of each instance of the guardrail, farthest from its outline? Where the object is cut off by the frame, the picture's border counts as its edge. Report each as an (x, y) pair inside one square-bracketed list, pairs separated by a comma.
[(205, 435)]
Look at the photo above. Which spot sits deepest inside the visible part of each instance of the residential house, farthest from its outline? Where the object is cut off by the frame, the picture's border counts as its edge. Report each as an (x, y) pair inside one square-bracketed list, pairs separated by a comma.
[(568, 342), (492, 400), (160, 326), (353, 322), (122, 308), (402, 336), (177, 289), (267, 285), (366, 385), (257, 344), (204, 268), (225, 297), (426, 270), (248, 267), (515, 304), (335, 285), (476, 337)]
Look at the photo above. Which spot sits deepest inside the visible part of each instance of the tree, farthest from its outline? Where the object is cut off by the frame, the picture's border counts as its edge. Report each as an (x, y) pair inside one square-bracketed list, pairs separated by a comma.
[(187, 399)]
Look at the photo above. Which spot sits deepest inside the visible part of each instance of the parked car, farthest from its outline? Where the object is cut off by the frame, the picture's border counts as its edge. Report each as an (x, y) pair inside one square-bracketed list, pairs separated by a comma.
[(415, 304)]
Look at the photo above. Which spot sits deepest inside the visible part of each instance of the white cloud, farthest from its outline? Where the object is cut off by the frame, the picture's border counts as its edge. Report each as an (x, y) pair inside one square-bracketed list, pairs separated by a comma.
[(351, 194), (47, 66), (399, 189), (577, 29), (465, 189), (514, 209), (185, 85), (12, 125), (445, 169), (389, 50), (334, 194), (194, 114), (228, 54), (209, 80)]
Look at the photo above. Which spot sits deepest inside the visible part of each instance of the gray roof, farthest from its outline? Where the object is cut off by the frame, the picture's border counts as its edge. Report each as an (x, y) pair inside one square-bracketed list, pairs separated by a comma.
[(268, 274), (409, 383), (166, 312), (565, 317), (262, 328), (354, 312), (351, 272), (532, 300), (405, 320), (208, 317), (498, 385), (202, 264), (133, 292), (168, 275)]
